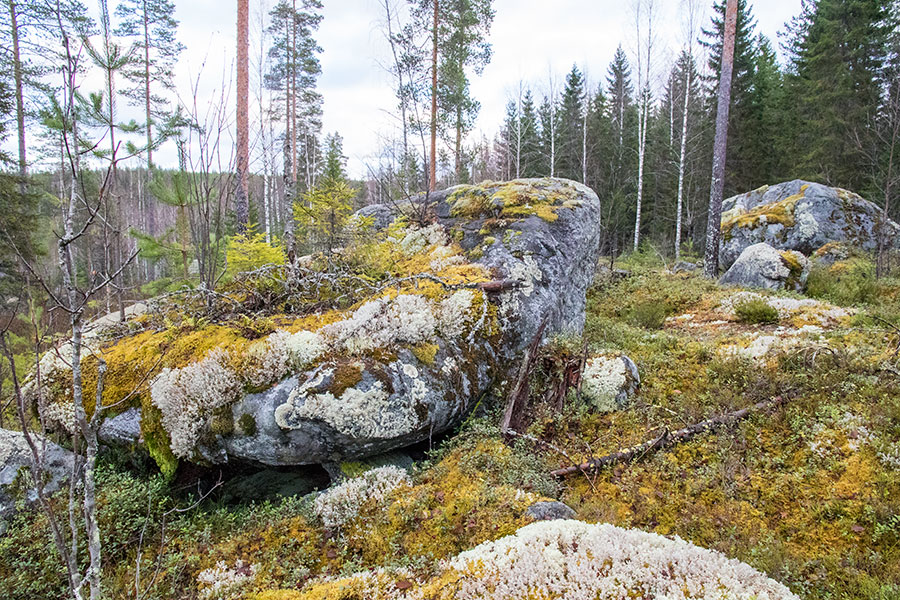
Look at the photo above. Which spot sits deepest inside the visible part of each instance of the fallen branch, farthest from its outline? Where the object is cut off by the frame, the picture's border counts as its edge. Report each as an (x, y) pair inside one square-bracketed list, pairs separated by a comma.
[(518, 396), (667, 439)]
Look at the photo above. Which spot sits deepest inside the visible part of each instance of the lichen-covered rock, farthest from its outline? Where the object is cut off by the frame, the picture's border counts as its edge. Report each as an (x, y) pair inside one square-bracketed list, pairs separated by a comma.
[(450, 302), (609, 381), (802, 216), (15, 457), (762, 266)]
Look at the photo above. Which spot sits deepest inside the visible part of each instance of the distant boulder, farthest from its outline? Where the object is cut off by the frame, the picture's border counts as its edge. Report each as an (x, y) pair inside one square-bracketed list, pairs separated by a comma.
[(802, 216), (762, 266)]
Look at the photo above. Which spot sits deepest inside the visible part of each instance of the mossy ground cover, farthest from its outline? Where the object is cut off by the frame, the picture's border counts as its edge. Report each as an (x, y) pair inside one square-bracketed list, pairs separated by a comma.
[(808, 492)]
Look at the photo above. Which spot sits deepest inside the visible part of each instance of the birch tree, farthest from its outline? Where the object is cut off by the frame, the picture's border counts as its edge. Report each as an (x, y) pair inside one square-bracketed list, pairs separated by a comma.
[(242, 146), (644, 19), (690, 11)]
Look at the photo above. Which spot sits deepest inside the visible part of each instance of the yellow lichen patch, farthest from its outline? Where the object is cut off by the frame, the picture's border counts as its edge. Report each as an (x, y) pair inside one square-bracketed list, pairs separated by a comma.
[(514, 200), (425, 353), (781, 212)]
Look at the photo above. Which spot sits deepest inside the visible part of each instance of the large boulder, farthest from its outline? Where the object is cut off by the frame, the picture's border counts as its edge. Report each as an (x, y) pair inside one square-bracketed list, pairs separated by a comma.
[(762, 266), (462, 284), (15, 457), (802, 216)]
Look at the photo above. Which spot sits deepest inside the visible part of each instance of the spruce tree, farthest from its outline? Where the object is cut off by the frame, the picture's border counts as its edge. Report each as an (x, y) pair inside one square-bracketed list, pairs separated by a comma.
[(837, 50), (571, 126), (531, 138)]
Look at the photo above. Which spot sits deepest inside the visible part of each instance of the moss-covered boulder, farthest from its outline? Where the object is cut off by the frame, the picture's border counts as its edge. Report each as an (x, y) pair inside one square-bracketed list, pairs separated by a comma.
[(802, 216), (443, 299)]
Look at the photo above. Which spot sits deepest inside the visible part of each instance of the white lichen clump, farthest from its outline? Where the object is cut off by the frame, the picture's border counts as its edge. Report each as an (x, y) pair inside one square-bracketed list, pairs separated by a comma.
[(604, 379), (341, 503), (223, 582), (383, 322), (571, 559), (187, 398)]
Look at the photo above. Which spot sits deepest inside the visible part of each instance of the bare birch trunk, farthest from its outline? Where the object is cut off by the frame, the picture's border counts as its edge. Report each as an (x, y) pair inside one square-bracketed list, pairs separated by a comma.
[(681, 160), (432, 172)]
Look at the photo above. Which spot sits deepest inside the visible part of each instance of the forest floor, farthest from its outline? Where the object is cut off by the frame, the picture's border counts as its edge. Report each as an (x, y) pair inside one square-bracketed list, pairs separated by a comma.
[(807, 490)]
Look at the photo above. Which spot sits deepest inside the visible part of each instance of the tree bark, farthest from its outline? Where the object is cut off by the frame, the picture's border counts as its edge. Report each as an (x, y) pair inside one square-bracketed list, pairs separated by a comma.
[(720, 147), (20, 96), (242, 208), (432, 169), (681, 159)]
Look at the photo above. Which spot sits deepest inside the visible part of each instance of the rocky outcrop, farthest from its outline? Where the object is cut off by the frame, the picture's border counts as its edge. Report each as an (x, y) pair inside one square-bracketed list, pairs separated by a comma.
[(762, 266), (802, 216), (461, 294), (15, 461)]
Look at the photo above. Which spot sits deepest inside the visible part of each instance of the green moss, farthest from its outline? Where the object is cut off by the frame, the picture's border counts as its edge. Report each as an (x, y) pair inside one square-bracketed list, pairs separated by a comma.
[(755, 311), (222, 421), (513, 200), (156, 438), (490, 241), (247, 423)]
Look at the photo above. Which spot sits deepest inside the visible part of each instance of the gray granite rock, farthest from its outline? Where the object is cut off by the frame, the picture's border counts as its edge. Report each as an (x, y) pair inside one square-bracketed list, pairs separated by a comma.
[(802, 216), (15, 457), (549, 511), (762, 266), (368, 393)]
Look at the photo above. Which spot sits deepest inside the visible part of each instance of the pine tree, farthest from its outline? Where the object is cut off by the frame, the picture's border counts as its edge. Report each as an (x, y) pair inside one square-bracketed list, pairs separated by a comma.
[(153, 25), (242, 144), (740, 170), (293, 74), (838, 50)]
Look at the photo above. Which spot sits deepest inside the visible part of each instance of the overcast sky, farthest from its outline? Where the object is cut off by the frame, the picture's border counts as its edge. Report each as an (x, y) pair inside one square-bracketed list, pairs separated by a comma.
[(531, 39)]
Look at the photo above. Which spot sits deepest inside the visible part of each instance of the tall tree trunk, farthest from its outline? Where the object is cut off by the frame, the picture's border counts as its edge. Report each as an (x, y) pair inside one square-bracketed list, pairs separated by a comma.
[(147, 96), (292, 83), (720, 147), (681, 159), (432, 171), (242, 161), (642, 152), (20, 95)]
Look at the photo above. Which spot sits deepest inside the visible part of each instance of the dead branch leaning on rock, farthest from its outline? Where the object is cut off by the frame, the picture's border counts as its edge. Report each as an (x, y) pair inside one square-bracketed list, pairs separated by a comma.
[(518, 395), (667, 439)]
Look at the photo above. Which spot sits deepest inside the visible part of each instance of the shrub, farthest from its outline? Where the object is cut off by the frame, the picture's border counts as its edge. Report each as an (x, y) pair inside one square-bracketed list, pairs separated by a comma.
[(755, 311), (847, 282), (649, 314)]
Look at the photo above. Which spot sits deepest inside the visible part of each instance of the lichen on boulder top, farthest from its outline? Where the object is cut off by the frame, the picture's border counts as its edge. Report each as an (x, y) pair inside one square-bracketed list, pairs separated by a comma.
[(383, 344), (802, 216)]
